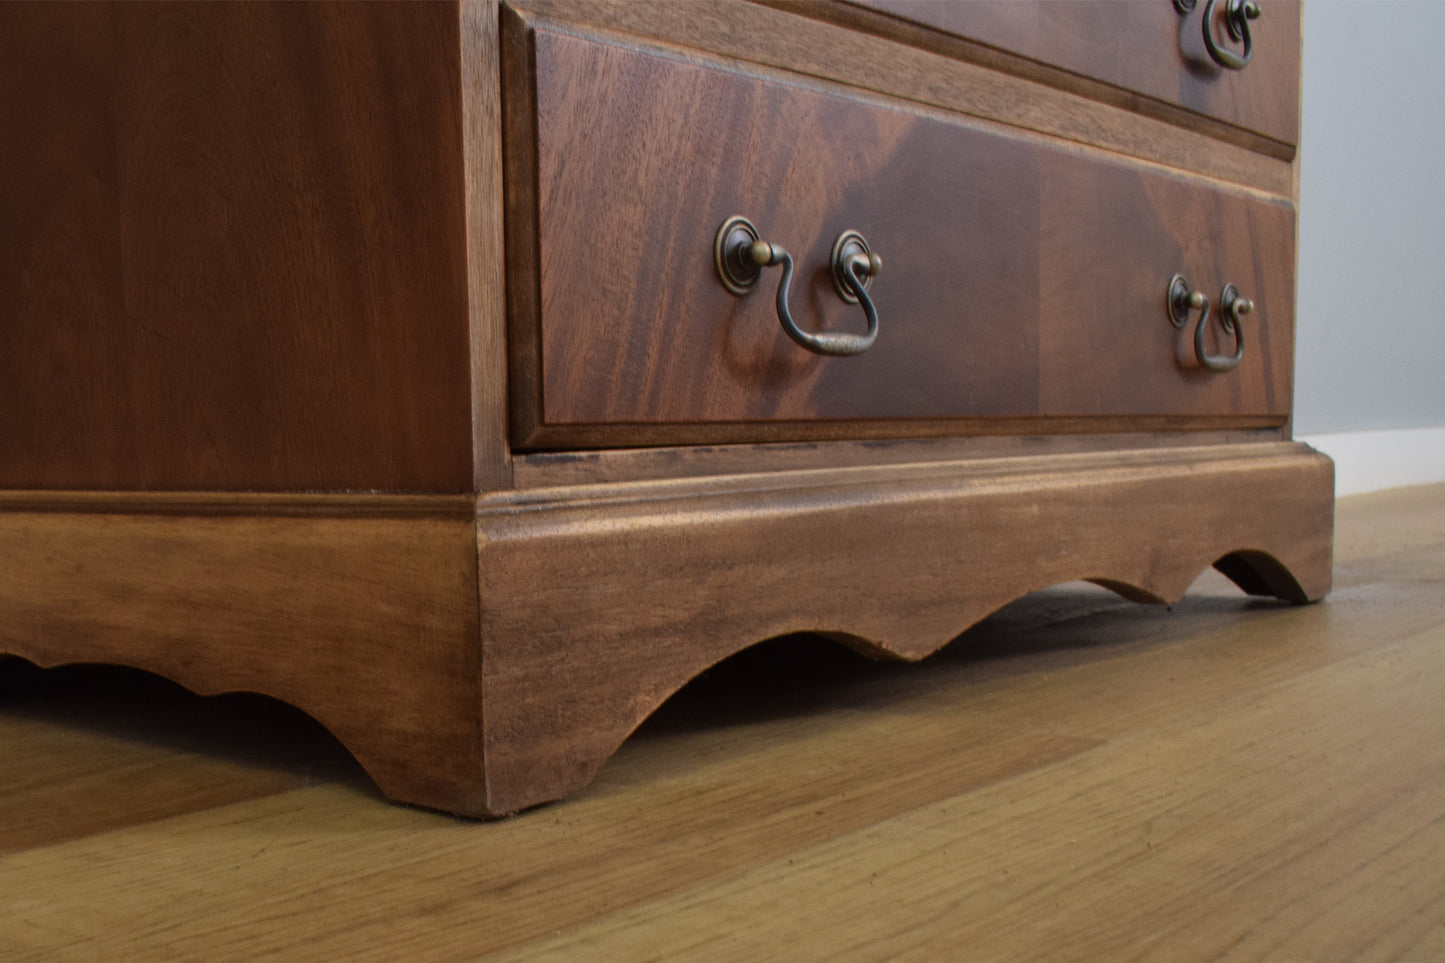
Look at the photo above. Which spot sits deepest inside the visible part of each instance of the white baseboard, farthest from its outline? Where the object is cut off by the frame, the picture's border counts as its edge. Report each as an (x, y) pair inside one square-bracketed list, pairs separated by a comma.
[(1368, 461)]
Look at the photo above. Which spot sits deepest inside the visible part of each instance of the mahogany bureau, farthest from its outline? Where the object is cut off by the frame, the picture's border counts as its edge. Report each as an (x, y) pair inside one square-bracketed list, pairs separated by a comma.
[(474, 376)]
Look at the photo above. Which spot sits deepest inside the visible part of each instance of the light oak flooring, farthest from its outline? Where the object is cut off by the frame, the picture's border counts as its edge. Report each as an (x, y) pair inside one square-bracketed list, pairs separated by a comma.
[(1077, 778)]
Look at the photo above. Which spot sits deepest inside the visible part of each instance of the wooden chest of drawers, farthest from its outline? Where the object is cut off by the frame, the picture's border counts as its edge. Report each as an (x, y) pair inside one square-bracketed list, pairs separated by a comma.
[(405, 362)]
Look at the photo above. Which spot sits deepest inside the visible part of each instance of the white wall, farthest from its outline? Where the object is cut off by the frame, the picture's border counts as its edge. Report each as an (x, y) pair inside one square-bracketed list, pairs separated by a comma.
[(1370, 351)]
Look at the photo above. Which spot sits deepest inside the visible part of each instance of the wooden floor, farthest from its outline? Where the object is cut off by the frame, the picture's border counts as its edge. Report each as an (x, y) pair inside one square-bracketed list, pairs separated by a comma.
[(1077, 778)]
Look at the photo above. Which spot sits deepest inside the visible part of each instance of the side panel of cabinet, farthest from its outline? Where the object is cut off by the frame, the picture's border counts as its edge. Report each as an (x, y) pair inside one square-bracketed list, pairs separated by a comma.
[(232, 247)]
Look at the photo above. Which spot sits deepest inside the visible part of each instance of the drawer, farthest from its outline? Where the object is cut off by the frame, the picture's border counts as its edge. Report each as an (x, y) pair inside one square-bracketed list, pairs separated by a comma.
[(1147, 48), (1023, 283)]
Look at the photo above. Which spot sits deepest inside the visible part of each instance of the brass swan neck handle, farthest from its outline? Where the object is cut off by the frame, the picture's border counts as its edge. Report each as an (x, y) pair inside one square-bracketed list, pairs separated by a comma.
[(1237, 15), (1182, 299), (739, 256)]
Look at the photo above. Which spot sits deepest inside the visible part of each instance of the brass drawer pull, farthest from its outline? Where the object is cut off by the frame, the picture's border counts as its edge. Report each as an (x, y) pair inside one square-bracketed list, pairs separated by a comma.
[(1237, 15), (739, 256), (1233, 307)]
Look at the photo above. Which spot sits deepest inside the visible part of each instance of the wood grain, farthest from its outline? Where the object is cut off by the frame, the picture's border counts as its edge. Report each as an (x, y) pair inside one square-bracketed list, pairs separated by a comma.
[(553, 468), (484, 665), (1021, 280), (631, 435), (1222, 776), (361, 611), (233, 248), (613, 600), (1220, 844), (261, 247), (481, 109), (749, 33), (1146, 49)]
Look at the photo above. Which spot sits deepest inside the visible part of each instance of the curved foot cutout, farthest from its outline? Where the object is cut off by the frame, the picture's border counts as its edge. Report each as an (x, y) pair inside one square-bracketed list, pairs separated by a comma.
[(909, 633), (274, 740), (1260, 573)]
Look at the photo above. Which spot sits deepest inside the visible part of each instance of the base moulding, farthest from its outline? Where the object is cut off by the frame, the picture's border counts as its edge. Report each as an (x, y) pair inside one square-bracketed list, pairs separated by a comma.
[(481, 655)]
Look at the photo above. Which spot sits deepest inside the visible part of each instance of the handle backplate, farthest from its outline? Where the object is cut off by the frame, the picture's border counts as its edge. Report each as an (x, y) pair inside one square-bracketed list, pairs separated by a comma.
[(731, 255)]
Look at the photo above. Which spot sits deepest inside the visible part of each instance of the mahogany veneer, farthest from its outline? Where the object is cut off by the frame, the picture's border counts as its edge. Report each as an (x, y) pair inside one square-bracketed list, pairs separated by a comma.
[(1069, 249), (1111, 45), (338, 341), (226, 259)]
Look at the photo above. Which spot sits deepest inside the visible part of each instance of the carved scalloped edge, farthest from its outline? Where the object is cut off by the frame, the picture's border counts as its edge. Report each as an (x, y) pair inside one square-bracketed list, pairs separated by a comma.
[(358, 610), (193, 683), (613, 606), (1256, 572), (380, 767), (585, 609)]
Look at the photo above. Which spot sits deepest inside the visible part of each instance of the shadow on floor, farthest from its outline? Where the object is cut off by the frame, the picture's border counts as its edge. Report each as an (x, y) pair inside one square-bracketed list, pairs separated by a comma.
[(776, 679), (244, 728), (1064, 625)]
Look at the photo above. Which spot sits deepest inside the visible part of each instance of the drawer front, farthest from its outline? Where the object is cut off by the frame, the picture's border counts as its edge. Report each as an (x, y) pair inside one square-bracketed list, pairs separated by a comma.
[(1023, 282), (1144, 46)]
